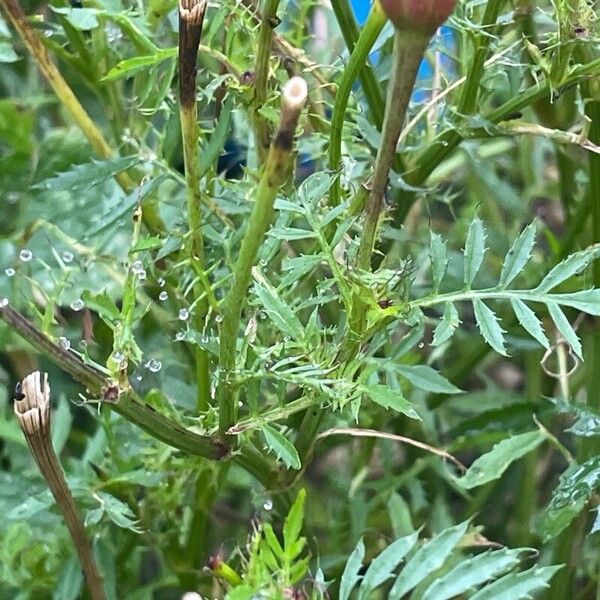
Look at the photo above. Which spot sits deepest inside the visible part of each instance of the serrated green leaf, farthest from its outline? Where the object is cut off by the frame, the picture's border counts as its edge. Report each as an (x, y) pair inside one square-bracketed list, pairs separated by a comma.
[(350, 576), (494, 463), (283, 448), (447, 326), (87, 175), (474, 250), (570, 497), (518, 255), (102, 304), (518, 585), (147, 243), (427, 559), (587, 301), (382, 567), (567, 268), (315, 187), (565, 328), (291, 233), (389, 398), (425, 378), (439, 259), (70, 581), (293, 522), (131, 66), (83, 19), (469, 574), (529, 321), (489, 326), (280, 313)]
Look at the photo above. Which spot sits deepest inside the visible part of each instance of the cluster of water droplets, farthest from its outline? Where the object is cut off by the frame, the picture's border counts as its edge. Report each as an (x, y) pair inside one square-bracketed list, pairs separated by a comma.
[(137, 268)]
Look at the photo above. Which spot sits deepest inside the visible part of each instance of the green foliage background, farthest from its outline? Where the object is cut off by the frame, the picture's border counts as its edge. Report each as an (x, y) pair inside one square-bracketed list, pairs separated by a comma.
[(481, 336)]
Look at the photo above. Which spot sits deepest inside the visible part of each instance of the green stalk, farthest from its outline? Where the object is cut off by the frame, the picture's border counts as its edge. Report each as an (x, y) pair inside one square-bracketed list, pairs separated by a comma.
[(366, 40), (261, 77), (370, 86), (276, 171), (191, 17)]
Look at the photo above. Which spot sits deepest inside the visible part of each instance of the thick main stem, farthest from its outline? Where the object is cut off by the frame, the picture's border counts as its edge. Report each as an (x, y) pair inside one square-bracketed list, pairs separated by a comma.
[(276, 170)]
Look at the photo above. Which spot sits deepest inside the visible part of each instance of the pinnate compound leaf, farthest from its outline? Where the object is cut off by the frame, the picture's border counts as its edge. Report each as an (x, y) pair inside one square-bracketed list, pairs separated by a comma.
[(389, 398), (427, 559), (469, 574), (280, 313), (492, 465), (518, 255), (474, 250), (283, 448), (350, 576), (567, 268), (489, 326), (447, 326), (518, 586), (87, 175), (529, 321), (425, 378), (439, 259), (570, 497), (565, 328), (382, 567)]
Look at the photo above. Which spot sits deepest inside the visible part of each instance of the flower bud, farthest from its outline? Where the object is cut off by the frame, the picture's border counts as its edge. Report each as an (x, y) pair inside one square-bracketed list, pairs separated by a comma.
[(423, 16)]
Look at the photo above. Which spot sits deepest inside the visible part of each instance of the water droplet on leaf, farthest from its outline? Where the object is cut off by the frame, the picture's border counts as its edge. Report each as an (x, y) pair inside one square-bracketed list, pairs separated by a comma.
[(163, 296), (64, 343), (184, 314), (77, 305), (154, 365), (9, 272), (25, 255)]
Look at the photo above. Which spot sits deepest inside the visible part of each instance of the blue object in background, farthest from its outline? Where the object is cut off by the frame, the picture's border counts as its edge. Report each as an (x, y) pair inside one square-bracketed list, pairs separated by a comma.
[(361, 9)]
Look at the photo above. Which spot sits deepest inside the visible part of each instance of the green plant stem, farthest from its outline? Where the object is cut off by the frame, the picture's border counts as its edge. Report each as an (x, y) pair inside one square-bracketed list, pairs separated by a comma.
[(355, 66), (261, 77), (370, 86), (123, 401), (276, 171), (61, 88), (190, 31)]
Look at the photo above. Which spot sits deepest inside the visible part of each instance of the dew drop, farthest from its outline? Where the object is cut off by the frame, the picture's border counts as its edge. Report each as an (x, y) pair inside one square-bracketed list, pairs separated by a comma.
[(268, 505), (3, 302), (138, 377), (67, 257), (25, 255), (163, 296), (422, 345), (263, 263), (154, 365), (77, 305), (219, 318), (180, 335), (9, 272), (64, 343), (161, 282), (184, 314), (141, 275)]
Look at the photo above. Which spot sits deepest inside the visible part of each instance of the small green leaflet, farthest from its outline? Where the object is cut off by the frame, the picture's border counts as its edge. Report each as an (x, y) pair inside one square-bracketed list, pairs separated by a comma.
[(83, 19), (565, 328), (518, 255), (283, 448), (425, 378), (102, 304), (280, 313), (489, 326), (447, 326), (492, 465), (474, 250), (131, 66), (351, 576), (439, 259), (293, 524), (428, 558), (570, 497), (567, 268), (518, 585), (529, 321), (389, 398), (315, 187), (87, 175), (7, 53)]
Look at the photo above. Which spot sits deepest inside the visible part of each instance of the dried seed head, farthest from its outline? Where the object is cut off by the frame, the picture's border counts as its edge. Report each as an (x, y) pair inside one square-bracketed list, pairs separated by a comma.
[(192, 11), (422, 16), (32, 404)]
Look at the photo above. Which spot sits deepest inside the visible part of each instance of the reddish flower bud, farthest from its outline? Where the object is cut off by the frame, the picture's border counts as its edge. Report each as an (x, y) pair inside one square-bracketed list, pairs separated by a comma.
[(424, 16)]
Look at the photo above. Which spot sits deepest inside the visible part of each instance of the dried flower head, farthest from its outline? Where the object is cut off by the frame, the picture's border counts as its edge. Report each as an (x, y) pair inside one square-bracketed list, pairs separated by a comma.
[(32, 404), (423, 16)]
